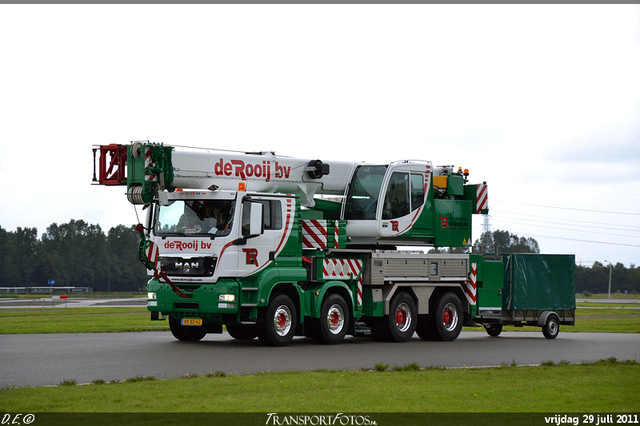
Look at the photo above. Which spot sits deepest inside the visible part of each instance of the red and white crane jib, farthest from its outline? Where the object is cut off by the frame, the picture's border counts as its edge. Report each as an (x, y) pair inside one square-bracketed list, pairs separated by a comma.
[(262, 172)]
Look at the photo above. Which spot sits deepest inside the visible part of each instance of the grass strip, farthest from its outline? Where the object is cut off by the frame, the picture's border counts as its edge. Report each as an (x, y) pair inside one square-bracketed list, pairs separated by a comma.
[(607, 386), (78, 320)]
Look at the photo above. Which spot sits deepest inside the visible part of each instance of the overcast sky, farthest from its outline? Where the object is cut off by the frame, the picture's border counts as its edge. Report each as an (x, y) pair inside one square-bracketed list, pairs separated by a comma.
[(540, 101)]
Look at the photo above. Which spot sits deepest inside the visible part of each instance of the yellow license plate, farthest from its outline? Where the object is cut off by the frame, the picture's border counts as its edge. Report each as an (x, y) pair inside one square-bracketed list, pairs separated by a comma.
[(191, 321)]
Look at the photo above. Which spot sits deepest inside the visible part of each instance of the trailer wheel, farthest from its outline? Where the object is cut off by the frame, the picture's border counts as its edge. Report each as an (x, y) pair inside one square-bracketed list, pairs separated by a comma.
[(185, 332), (278, 325), (493, 330), (241, 332), (551, 327), (446, 322), (334, 320)]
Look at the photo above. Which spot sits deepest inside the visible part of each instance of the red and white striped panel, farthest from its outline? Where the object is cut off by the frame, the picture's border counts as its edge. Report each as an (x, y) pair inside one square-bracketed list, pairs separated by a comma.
[(344, 268), (471, 285), (314, 234), (482, 198), (152, 255)]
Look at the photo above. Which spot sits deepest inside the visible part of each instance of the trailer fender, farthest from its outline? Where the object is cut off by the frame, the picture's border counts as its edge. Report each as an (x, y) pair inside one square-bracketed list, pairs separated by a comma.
[(542, 320)]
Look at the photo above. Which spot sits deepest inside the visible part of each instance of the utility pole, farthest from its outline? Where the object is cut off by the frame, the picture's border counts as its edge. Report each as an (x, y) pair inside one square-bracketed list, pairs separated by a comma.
[(610, 266)]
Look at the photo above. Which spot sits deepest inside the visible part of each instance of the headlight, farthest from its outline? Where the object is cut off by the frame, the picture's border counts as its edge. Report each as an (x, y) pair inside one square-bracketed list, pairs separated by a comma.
[(227, 298), (151, 295)]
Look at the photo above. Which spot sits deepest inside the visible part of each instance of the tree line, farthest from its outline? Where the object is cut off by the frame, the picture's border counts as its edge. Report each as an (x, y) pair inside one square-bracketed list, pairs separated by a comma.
[(82, 255), (74, 254)]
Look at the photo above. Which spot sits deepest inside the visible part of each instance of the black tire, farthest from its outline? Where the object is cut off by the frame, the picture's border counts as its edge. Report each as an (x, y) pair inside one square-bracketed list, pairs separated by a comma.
[(422, 328), (374, 324), (242, 332), (493, 330), (446, 322), (186, 332), (334, 321), (402, 320), (278, 324), (551, 327)]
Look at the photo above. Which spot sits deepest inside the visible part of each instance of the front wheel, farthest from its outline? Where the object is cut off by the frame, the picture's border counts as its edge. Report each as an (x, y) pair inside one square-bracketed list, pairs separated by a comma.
[(186, 332), (278, 324), (551, 327), (334, 320)]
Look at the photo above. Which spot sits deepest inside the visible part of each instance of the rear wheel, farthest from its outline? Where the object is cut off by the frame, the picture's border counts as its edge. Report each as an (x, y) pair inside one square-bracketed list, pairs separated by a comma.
[(242, 332), (186, 332), (402, 320), (446, 322), (422, 329), (278, 325), (551, 327), (334, 320)]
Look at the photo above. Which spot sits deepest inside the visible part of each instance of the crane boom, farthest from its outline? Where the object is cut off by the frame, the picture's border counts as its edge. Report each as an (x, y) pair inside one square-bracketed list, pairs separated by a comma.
[(405, 202), (262, 172)]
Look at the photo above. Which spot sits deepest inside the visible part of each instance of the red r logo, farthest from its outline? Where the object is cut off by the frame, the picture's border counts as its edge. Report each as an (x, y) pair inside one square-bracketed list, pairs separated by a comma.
[(252, 256), (394, 226), (445, 222)]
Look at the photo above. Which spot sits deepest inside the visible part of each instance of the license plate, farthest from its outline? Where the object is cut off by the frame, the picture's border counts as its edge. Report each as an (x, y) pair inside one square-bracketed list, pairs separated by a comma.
[(191, 321)]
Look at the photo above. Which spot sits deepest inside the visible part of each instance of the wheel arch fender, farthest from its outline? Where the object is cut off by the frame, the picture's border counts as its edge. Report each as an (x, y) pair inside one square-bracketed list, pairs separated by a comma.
[(292, 290), (542, 319), (331, 287), (335, 287)]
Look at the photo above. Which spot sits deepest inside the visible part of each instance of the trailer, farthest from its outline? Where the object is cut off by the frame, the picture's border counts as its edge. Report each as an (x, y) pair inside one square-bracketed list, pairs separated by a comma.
[(526, 289)]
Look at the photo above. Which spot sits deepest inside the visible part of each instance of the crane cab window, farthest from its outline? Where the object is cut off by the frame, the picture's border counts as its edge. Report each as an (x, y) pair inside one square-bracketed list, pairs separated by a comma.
[(417, 191), (363, 193), (396, 201), (405, 193)]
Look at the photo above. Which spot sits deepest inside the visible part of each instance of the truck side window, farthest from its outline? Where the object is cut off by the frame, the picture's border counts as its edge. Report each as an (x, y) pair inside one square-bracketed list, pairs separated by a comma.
[(271, 215), (396, 201)]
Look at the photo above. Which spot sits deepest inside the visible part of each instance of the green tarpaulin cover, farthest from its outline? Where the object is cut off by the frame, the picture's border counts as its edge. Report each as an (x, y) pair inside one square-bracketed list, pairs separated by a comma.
[(539, 281)]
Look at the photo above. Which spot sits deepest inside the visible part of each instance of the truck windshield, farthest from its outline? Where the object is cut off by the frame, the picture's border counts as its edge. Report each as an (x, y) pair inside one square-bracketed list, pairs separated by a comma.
[(193, 217)]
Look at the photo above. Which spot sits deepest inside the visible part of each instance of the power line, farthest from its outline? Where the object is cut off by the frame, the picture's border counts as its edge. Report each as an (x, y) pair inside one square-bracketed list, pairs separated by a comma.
[(587, 241), (528, 221), (570, 208), (556, 188), (570, 230), (571, 220)]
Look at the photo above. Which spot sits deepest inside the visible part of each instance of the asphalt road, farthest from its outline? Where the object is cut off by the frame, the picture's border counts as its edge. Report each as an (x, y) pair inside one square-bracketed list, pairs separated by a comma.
[(48, 359)]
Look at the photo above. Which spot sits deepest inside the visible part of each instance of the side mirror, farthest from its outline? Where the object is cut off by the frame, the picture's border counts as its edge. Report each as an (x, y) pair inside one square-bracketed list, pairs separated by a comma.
[(256, 223)]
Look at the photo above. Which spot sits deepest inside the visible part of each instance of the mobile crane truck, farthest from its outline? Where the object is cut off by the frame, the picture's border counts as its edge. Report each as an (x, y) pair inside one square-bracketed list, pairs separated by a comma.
[(273, 247)]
